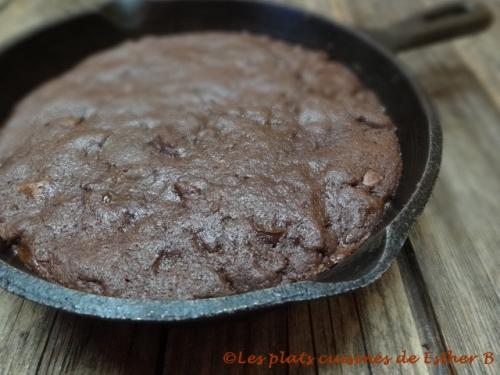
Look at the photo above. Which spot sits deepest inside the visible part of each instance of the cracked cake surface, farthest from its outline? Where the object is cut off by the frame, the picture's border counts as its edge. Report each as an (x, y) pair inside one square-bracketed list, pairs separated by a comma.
[(193, 166)]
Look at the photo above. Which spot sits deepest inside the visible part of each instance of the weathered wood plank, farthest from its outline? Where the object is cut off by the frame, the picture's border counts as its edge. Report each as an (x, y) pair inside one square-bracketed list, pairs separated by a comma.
[(428, 329), (201, 346), (459, 232), (300, 338), (480, 53), (24, 332), (80, 345), (21, 15), (454, 245), (346, 334), (456, 238), (388, 324)]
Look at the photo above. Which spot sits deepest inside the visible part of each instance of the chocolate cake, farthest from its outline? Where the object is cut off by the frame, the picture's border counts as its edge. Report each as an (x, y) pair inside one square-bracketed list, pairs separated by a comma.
[(193, 166)]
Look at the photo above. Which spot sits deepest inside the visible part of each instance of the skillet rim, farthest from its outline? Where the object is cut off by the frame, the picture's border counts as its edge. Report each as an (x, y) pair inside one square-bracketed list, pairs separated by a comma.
[(57, 296)]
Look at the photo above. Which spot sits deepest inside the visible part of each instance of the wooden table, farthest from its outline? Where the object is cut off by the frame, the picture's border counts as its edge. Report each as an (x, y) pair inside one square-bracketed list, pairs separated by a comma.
[(442, 294)]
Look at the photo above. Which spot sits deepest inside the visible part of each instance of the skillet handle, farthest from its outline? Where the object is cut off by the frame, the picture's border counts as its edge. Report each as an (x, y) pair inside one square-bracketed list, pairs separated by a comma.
[(125, 14), (434, 25)]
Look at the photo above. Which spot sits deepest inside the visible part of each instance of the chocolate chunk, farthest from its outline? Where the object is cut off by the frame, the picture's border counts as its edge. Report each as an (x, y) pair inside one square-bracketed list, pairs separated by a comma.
[(164, 147), (34, 189), (371, 178)]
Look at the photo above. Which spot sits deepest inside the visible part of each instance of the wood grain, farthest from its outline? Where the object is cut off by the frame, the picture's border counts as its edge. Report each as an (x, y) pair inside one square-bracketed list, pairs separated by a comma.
[(90, 346), (25, 330), (200, 347), (456, 239), (19, 16), (347, 336), (443, 293)]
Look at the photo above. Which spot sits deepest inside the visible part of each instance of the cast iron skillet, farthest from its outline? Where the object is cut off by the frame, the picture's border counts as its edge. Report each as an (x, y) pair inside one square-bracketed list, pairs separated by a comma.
[(46, 53)]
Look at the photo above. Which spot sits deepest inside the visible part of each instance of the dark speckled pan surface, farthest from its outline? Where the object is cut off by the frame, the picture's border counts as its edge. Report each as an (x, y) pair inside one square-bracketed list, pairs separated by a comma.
[(51, 51)]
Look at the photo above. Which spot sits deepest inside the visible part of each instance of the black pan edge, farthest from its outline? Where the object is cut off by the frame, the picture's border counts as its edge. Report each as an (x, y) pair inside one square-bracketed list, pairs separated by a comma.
[(46, 293)]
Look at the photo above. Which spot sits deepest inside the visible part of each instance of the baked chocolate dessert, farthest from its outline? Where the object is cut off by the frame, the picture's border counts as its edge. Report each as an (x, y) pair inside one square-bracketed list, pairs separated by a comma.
[(193, 166)]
